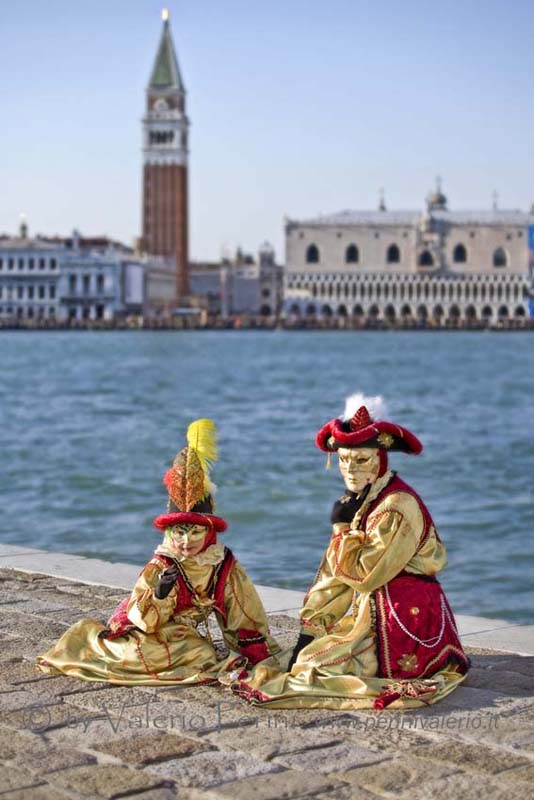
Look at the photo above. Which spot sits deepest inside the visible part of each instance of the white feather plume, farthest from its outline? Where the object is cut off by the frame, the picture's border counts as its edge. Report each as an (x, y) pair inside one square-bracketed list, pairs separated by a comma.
[(374, 405)]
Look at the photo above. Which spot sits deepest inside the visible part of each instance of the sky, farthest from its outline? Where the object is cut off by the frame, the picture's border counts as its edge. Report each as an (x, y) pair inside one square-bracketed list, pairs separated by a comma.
[(297, 107)]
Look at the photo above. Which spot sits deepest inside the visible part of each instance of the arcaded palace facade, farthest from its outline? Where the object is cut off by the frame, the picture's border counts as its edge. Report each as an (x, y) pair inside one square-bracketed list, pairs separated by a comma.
[(438, 265)]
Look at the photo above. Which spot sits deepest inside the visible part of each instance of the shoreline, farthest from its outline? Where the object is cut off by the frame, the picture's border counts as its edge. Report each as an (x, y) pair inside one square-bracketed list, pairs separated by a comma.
[(494, 634), (230, 328)]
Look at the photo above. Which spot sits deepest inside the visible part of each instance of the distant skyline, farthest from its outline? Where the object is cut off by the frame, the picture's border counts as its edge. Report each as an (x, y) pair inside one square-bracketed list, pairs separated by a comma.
[(296, 109)]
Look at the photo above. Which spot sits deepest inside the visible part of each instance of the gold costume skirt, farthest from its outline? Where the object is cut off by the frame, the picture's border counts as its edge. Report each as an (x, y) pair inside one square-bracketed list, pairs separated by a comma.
[(339, 671), (175, 654)]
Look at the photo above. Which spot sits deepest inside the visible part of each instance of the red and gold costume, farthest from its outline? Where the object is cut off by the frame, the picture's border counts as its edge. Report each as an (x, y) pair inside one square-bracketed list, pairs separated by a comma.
[(377, 627), (153, 636)]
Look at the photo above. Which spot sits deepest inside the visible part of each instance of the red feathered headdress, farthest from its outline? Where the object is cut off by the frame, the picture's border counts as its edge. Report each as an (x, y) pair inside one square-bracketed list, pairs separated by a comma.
[(190, 501)]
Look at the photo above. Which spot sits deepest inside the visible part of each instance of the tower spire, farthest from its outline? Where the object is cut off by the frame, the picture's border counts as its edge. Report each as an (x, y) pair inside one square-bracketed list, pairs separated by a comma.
[(166, 72), (381, 200), (165, 157)]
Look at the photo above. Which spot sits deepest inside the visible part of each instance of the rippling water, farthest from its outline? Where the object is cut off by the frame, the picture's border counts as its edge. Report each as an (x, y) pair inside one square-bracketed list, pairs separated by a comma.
[(90, 421)]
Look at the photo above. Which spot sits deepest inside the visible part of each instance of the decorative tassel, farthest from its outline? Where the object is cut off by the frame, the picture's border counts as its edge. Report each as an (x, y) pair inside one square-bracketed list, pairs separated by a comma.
[(329, 461)]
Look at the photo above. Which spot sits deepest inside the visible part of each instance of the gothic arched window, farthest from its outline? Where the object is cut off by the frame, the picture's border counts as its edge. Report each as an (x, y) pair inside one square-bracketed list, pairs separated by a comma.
[(459, 255), (312, 254), (426, 259), (393, 254), (500, 258), (352, 254)]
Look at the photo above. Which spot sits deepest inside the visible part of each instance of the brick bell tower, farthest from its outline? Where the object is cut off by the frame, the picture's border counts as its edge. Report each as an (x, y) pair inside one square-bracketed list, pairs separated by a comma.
[(165, 157)]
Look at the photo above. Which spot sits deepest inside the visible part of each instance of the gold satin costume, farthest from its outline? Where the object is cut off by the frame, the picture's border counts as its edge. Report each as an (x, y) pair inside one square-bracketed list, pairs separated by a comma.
[(164, 648), (338, 670)]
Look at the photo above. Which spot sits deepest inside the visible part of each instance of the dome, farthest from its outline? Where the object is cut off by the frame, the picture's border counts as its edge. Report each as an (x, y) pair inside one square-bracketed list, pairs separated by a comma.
[(437, 200)]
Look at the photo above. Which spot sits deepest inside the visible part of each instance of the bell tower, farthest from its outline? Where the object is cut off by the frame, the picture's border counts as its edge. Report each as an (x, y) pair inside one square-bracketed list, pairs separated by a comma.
[(165, 163)]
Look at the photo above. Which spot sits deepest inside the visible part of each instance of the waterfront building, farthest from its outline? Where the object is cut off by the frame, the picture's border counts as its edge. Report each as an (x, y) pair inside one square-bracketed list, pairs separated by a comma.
[(165, 166), (242, 285), (49, 280), (29, 278), (90, 285), (101, 280), (436, 265), (160, 283)]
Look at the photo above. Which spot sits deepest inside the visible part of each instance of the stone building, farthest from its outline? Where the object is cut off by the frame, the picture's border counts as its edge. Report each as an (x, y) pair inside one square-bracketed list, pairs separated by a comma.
[(48, 280), (103, 280), (29, 278), (437, 265), (242, 285), (90, 285)]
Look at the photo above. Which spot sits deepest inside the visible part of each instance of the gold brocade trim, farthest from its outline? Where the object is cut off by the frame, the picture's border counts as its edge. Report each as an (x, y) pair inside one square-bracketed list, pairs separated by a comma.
[(142, 659), (383, 636), (374, 491), (374, 519), (414, 687), (330, 647), (448, 647), (372, 609), (251, 639), (336, 661), (355, 608)]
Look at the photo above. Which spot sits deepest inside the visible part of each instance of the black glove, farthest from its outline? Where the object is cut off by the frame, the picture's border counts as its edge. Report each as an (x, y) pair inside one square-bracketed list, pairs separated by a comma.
[(166, 581), (303, 640), (346, 507)]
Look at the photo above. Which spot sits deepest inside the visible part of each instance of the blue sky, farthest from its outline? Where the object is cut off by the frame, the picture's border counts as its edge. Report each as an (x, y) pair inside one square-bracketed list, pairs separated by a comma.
[(297, 107)]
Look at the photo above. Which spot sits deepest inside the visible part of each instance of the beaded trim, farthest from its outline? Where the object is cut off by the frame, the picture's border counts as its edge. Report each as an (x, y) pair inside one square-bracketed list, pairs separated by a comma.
[(429, 643)]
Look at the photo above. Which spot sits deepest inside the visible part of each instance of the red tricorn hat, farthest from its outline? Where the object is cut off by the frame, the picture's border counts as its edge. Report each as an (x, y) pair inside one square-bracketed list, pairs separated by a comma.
[(360, 430)]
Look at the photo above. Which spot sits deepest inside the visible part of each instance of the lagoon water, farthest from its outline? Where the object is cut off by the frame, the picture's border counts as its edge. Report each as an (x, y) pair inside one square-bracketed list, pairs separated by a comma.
[(90, 421)]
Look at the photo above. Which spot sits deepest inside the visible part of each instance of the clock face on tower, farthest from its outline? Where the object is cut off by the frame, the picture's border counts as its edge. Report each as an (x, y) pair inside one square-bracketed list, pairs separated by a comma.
[(161, 104)]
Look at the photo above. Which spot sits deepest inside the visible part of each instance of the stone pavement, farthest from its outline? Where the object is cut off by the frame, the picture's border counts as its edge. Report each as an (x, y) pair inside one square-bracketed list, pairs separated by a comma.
[(65, 738)]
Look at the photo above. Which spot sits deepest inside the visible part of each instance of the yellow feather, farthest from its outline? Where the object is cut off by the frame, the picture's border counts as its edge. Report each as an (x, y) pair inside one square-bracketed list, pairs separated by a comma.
[(202, 438)]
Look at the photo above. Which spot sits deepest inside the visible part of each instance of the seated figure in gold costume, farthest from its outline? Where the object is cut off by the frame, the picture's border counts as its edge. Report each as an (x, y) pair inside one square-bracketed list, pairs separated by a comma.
[(376, 627), (153, 636)]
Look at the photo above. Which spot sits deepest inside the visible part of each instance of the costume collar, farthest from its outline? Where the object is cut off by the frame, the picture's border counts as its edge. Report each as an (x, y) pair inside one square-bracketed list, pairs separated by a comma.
[(212, 555), (373, 493)]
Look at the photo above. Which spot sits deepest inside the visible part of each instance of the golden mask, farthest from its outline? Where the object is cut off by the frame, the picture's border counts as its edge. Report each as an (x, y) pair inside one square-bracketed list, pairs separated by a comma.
[(186, 540), (358, 466)]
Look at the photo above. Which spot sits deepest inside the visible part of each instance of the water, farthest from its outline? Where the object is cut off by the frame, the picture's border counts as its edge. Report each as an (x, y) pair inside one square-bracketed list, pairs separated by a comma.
[(90, 421)]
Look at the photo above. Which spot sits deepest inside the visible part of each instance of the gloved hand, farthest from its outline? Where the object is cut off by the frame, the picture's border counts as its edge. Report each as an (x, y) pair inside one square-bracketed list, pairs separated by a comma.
[(167, 579), (346, 507), (303, 640)]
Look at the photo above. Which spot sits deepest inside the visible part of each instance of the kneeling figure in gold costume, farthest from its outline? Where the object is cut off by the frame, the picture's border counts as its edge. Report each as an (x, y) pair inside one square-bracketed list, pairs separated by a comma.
[(376, 627), (153, 636)]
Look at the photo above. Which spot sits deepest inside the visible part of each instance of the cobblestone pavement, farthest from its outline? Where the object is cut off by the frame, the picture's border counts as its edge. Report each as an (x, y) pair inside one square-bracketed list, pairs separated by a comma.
[(66, 738)]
